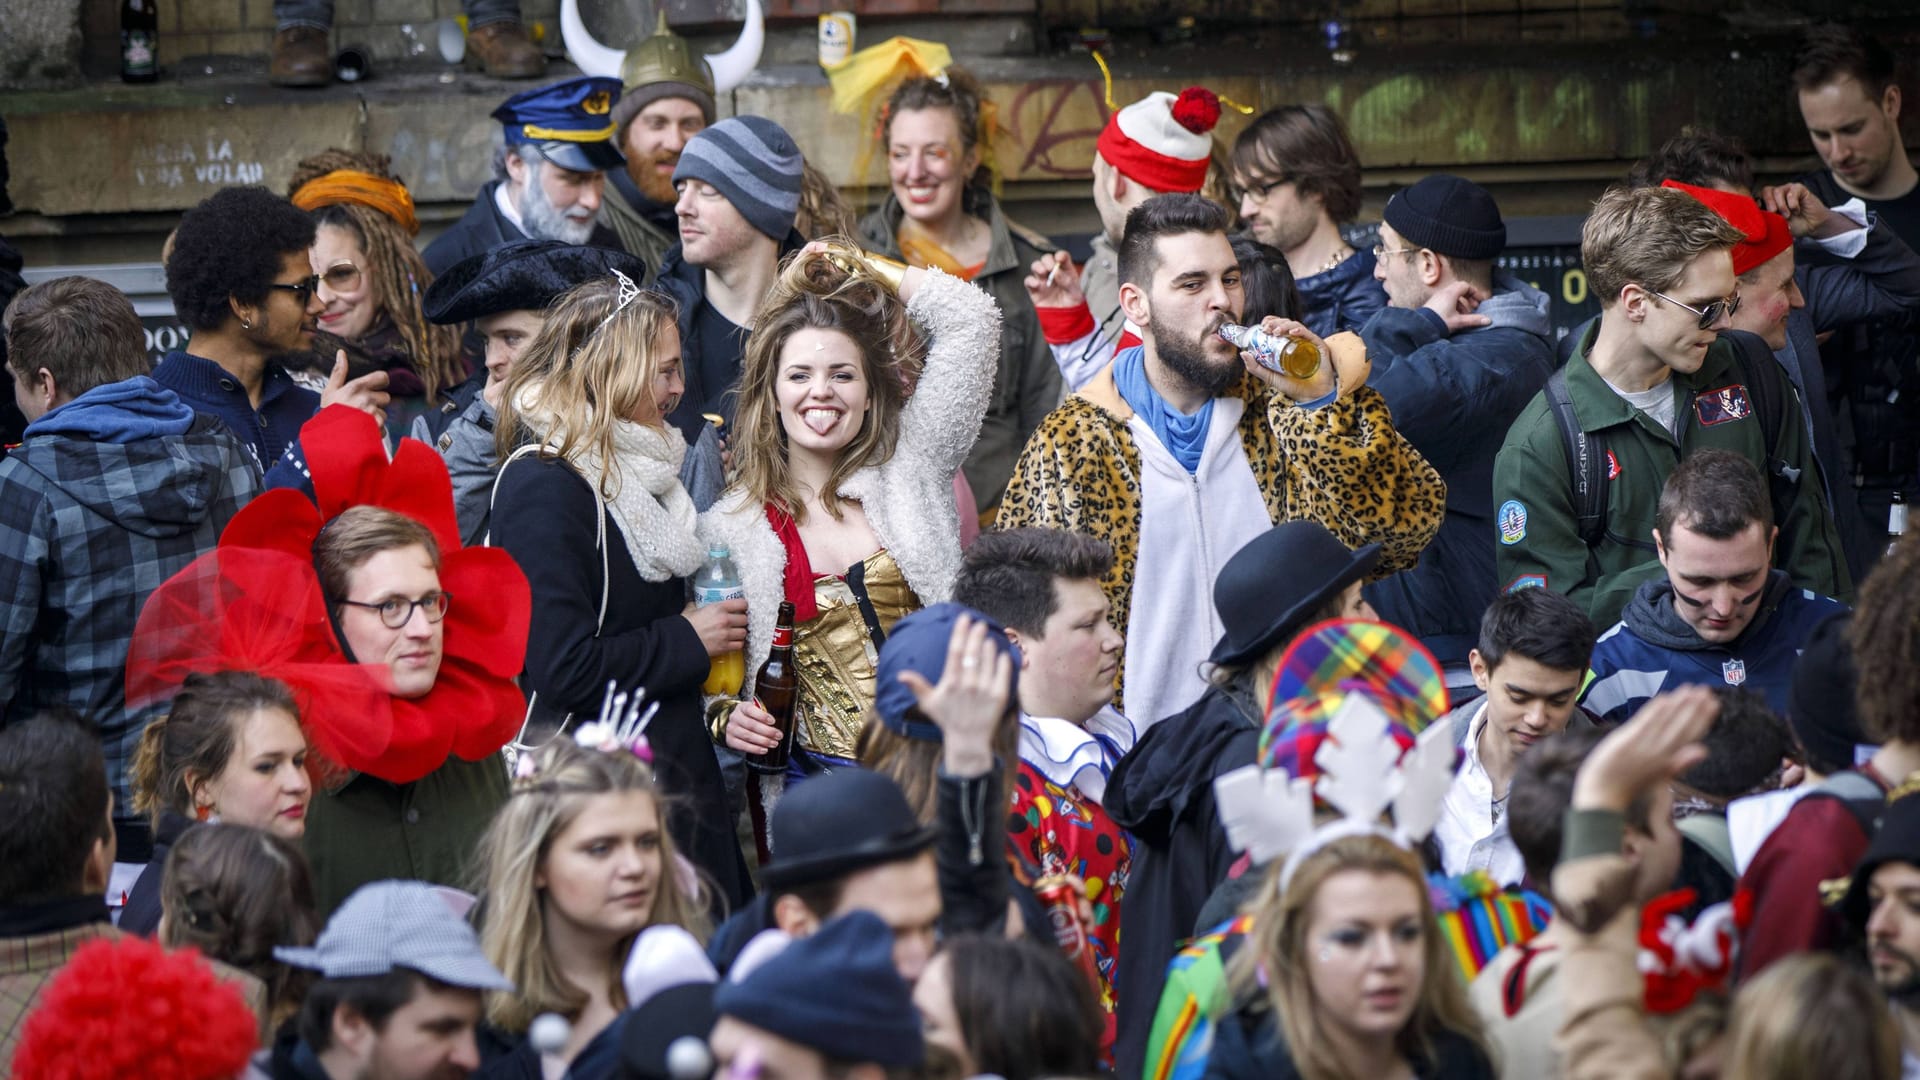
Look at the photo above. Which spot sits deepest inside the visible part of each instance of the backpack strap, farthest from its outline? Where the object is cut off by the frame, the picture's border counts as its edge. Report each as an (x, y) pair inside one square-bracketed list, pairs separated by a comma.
[(1585, 455), (1763, 378)]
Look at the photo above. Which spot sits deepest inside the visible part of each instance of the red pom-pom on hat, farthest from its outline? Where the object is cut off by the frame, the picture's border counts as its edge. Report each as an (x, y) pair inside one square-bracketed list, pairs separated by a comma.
[(127, 1007), (1197, 109)]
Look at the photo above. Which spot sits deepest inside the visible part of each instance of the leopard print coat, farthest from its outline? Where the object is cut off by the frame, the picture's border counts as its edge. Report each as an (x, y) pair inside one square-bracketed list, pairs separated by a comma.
[(1342, 465)]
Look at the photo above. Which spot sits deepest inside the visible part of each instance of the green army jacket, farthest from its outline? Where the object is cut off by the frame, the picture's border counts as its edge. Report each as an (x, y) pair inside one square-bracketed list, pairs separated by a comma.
[(370, 830), (1537, 536)]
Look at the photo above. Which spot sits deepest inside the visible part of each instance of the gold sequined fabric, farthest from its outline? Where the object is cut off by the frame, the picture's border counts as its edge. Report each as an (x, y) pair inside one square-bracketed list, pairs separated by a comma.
[(836, 658)]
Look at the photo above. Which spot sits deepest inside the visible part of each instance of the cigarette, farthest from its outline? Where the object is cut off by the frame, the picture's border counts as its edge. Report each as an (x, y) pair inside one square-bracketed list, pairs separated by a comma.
[(1051, 273)]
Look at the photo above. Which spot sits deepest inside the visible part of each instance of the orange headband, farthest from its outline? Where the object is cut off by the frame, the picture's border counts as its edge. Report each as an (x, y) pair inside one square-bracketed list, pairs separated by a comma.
[(350, 186)]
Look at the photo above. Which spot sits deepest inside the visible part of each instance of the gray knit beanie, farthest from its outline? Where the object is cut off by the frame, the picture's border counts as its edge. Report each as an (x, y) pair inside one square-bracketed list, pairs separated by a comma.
[(754, 163)]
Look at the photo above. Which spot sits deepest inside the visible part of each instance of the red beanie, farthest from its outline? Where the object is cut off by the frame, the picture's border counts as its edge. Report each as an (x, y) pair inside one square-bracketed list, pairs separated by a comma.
[(1163, 141), (1767, 233)]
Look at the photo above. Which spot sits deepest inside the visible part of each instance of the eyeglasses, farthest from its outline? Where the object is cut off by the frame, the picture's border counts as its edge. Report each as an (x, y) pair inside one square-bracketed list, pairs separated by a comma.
[(342, 277), (397, 611), (1711, 313), (1381, 251), (302, 290), (1259, 192)]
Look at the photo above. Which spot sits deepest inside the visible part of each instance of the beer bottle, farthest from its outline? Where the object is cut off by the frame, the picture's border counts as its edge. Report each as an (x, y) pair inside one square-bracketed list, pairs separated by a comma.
[(139, 41), (775, 688), (1296, 358)]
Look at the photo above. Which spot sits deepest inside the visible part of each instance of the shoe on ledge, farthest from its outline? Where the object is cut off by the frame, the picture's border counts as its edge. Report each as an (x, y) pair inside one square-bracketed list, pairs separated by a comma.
[(301, 57), (504, 50)]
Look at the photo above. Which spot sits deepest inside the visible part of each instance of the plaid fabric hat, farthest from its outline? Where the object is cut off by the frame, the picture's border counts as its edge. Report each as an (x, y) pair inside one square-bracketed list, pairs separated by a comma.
[(1346, 656), (398, 924)]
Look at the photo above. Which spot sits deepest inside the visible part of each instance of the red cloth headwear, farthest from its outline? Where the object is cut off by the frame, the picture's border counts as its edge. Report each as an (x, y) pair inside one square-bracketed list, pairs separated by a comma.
[(127, 1007), (1767, 233), (255, 603), (1163, 141)]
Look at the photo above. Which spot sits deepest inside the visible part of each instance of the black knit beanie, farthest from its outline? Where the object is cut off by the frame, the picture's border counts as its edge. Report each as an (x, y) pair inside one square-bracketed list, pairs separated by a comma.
[(1451, 215)]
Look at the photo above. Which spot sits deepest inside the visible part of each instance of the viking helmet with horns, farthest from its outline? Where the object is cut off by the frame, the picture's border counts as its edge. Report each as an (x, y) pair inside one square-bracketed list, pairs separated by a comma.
[(662, 65)]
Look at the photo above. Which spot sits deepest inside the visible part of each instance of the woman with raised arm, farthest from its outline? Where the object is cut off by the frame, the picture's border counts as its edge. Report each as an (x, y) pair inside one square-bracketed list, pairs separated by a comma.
[(863, 389)]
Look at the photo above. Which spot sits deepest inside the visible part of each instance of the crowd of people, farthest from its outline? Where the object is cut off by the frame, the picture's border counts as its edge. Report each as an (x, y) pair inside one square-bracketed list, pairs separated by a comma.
[(673, 626)]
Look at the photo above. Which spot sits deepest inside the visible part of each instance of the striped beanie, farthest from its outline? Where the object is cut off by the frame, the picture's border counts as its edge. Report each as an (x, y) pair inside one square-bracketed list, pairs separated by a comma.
[(754, 163), (1164, 141)]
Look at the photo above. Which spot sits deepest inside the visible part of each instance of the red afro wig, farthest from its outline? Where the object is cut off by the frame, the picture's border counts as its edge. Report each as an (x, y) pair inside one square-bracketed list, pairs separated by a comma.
[(127, 1007)]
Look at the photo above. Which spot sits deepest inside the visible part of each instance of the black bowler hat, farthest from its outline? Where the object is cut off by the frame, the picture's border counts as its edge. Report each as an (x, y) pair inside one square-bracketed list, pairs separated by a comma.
[(1270, 587), (525, 275), (833, 825)]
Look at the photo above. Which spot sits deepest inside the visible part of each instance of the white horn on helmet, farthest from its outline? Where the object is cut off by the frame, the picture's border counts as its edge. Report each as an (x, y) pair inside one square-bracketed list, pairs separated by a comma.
[(587, 54), (732, 67)]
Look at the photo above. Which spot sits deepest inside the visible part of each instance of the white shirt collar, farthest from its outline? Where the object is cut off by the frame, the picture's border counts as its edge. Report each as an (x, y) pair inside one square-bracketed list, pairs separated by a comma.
[(504, 203), (1070, 755)]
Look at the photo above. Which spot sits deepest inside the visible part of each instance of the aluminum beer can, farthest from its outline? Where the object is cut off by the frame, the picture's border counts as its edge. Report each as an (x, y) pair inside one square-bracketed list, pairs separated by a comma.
[(836, 38)]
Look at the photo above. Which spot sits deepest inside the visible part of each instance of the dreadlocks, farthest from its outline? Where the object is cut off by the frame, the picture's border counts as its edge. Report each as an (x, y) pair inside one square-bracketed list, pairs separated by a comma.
[(395, 270)]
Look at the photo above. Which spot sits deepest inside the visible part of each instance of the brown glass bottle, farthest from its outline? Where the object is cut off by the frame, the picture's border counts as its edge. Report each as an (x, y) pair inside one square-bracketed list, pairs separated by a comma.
[(775, 688)]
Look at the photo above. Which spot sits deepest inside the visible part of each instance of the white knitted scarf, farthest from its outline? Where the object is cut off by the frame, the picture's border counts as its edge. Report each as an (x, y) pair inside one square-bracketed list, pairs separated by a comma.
[(653, 512)]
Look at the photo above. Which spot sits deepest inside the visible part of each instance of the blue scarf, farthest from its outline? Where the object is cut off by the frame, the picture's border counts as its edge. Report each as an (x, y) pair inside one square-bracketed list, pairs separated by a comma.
[(1184, 436)]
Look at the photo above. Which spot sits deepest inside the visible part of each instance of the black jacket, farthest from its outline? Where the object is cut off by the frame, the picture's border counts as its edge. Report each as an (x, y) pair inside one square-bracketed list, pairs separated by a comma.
[(141, 913), (1248, 1044), (711, 368), (1162, 793), (483, 228), (544, 516)]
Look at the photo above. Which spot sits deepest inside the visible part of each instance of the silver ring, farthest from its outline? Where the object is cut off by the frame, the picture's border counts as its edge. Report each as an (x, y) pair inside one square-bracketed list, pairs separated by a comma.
[(966, 661)]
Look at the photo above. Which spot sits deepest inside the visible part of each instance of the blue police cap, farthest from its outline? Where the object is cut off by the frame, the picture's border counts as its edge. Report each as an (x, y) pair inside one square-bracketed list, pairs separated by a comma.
[(571, 122)]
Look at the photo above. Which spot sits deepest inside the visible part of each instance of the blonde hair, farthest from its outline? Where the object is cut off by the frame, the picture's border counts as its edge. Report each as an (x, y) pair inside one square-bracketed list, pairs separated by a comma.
[(1811, 1015), (591, 365), (816, 291), (566, 777), (1647, 237), (914, 764), (398, 275), (1279, 943)]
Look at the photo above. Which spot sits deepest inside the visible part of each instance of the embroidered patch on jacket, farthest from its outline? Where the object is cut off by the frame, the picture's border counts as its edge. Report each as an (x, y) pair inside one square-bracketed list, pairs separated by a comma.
[(1512, 519), (1734, 671), (1526, 581), (1722, 406), (1613, 466)]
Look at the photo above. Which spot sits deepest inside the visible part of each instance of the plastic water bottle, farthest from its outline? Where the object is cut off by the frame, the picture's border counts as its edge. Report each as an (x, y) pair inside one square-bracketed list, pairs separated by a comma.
[(1896, 520), (1296, 358), (719, 581)]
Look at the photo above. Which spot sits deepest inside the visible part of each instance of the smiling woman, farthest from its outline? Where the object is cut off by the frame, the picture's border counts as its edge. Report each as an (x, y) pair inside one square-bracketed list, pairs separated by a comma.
[(852, 420)]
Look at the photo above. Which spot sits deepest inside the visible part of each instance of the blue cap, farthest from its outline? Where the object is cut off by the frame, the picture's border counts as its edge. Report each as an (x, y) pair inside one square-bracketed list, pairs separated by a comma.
[(867, 1016), (571, 122), (919, 643)]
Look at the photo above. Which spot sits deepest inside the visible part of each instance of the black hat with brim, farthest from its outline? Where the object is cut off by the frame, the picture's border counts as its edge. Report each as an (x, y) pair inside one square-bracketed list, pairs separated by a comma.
[(838, 823), (1896, 840), (584, 157), (1271, 586), (525, 275)]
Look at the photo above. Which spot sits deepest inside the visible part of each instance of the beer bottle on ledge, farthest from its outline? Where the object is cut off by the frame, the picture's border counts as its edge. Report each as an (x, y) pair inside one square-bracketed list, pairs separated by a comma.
[(139, 41), (775, 688)]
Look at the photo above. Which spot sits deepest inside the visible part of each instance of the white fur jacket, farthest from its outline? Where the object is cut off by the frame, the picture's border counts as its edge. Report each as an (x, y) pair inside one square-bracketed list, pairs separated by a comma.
[(909, 499)]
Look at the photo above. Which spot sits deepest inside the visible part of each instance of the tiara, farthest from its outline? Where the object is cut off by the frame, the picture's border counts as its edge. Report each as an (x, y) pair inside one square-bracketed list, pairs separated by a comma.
[(629, 292), (1363, 773), (620, 728)]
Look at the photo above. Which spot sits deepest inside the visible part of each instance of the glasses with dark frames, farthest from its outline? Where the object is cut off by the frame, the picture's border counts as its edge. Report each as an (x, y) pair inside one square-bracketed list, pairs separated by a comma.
[(396, 611), (302, 290)]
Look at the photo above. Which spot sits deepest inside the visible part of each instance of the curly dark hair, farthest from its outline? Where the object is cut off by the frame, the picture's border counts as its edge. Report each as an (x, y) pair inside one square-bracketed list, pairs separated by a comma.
[(230, 247), (1697, 156), (1885, 636)]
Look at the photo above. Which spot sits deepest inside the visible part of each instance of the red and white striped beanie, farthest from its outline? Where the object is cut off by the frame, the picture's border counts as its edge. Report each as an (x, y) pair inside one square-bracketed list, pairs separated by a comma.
[(1164, 141)]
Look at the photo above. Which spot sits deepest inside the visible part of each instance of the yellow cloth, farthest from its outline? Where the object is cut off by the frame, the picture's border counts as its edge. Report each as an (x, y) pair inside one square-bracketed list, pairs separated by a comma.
[(835, 658), (870, 74)]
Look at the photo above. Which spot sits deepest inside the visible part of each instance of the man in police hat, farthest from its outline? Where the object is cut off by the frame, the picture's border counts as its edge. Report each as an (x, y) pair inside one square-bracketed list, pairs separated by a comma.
[(667, 99), (549, 173)]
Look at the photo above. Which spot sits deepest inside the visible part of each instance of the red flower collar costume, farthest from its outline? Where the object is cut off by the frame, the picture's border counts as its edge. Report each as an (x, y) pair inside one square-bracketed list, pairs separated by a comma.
[(254, 603)]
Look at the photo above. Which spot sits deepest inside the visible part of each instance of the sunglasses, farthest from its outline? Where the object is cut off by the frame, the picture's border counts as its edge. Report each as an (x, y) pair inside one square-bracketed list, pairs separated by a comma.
[(1711, 313), (302, 290)]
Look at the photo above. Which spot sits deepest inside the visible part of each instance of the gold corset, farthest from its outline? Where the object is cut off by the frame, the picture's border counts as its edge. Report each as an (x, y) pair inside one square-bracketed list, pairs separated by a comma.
[(835, 657)]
